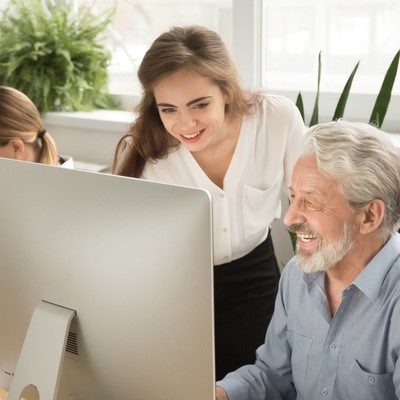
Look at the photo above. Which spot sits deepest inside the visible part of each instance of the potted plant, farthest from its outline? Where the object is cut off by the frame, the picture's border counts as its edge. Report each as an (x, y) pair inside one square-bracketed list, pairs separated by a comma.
[(57, 57), (381, 103)]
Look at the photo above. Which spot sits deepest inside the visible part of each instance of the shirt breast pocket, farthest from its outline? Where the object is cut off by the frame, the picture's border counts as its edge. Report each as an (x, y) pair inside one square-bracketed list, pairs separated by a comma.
[(371, 385), (261, 207)]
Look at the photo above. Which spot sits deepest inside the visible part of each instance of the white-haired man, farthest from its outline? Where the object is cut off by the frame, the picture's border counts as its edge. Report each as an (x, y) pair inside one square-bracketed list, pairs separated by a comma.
[(335, 333)]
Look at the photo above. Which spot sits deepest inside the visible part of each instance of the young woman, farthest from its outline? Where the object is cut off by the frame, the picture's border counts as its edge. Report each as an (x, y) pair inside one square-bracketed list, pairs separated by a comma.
[(196, 126), (22, 135)]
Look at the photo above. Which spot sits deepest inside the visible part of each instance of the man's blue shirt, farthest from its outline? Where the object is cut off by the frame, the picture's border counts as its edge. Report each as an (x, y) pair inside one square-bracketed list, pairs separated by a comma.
[(308, 354)]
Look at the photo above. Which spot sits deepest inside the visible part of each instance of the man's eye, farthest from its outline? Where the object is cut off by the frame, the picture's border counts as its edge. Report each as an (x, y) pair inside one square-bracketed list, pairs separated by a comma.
[(312, 205)]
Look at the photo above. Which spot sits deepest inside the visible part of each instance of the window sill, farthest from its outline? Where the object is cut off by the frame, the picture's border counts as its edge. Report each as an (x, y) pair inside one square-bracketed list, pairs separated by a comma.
[(111, 120), (359, 107), (90, 138)]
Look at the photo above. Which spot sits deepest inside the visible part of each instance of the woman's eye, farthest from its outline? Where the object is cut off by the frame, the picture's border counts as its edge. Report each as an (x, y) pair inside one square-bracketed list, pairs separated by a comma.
[(167, 110), (201, 105)]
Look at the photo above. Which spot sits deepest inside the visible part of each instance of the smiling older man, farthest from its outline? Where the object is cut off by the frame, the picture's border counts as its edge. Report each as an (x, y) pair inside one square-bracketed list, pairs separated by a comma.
[(335, 333)]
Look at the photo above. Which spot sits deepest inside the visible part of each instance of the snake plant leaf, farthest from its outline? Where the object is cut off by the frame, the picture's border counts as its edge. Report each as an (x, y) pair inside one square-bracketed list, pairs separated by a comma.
[(341, 105), (383, 99), (300, 105), (314, 116)]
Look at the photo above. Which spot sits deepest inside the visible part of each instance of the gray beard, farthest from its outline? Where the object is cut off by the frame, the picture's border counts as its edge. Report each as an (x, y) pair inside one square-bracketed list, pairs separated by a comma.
[(328, 255)]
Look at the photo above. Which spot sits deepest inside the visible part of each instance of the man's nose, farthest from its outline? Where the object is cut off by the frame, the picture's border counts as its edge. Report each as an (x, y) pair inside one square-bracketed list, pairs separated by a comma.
[(294, 215)]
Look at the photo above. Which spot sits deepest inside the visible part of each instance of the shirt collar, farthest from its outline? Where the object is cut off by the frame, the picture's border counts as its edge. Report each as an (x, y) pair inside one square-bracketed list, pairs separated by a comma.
[(313, 277), (372, 276)]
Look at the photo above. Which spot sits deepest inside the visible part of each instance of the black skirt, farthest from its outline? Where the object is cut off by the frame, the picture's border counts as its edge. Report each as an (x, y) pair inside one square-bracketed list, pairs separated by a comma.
[(244, 298)]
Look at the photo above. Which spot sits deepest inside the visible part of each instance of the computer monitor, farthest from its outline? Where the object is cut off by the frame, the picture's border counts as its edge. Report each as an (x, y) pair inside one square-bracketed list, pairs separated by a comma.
[(128, 261)]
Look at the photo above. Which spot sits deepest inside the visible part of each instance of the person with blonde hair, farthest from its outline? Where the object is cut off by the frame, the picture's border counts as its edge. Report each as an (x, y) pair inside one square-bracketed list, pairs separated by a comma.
[(22, 134), (196, 126)]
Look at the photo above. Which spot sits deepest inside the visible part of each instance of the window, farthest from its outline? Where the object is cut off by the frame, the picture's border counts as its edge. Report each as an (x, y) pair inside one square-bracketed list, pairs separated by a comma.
[(345, 32), (275, 44), (138, 22)]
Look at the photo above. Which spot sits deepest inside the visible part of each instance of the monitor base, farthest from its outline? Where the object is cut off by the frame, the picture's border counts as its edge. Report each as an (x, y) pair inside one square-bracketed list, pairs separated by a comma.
[(42, 353)]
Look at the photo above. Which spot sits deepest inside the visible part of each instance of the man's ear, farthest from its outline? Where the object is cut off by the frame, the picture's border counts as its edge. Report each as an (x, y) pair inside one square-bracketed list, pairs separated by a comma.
[(372, 216), (17, 146)]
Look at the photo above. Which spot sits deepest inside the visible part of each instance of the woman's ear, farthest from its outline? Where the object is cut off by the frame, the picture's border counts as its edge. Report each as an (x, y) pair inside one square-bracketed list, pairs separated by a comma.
[(17, 147), (372, 216)]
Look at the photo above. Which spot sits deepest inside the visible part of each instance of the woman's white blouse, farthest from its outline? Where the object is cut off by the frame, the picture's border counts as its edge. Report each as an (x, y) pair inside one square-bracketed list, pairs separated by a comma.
[(66, 162), (267, 149)]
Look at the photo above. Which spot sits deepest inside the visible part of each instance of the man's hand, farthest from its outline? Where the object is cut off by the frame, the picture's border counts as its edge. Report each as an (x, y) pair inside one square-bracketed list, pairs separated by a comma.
[(221, 394)]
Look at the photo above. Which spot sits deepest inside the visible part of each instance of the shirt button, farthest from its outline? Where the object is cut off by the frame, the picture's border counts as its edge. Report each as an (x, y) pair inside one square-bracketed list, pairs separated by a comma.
[(371, 379), (225, 229), (222, 195), (332, 346), (324, 392), (226, 257)]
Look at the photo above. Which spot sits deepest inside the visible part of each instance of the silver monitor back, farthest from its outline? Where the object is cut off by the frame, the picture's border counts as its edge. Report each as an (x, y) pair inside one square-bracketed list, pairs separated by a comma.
[(133, 258)]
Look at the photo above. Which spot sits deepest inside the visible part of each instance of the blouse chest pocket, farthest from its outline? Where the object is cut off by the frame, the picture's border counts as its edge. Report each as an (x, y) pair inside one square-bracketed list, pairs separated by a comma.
[(261, 207)]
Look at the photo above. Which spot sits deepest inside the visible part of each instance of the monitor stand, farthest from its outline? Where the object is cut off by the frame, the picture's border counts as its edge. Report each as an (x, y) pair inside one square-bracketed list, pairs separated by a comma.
[(42, 353)]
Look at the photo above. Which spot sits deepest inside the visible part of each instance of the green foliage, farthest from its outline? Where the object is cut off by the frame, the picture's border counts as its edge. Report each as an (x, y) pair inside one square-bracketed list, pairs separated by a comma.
[(381, 103), (339, 111), (385, 93), (314, 116), (55, 56), (300, 105)]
